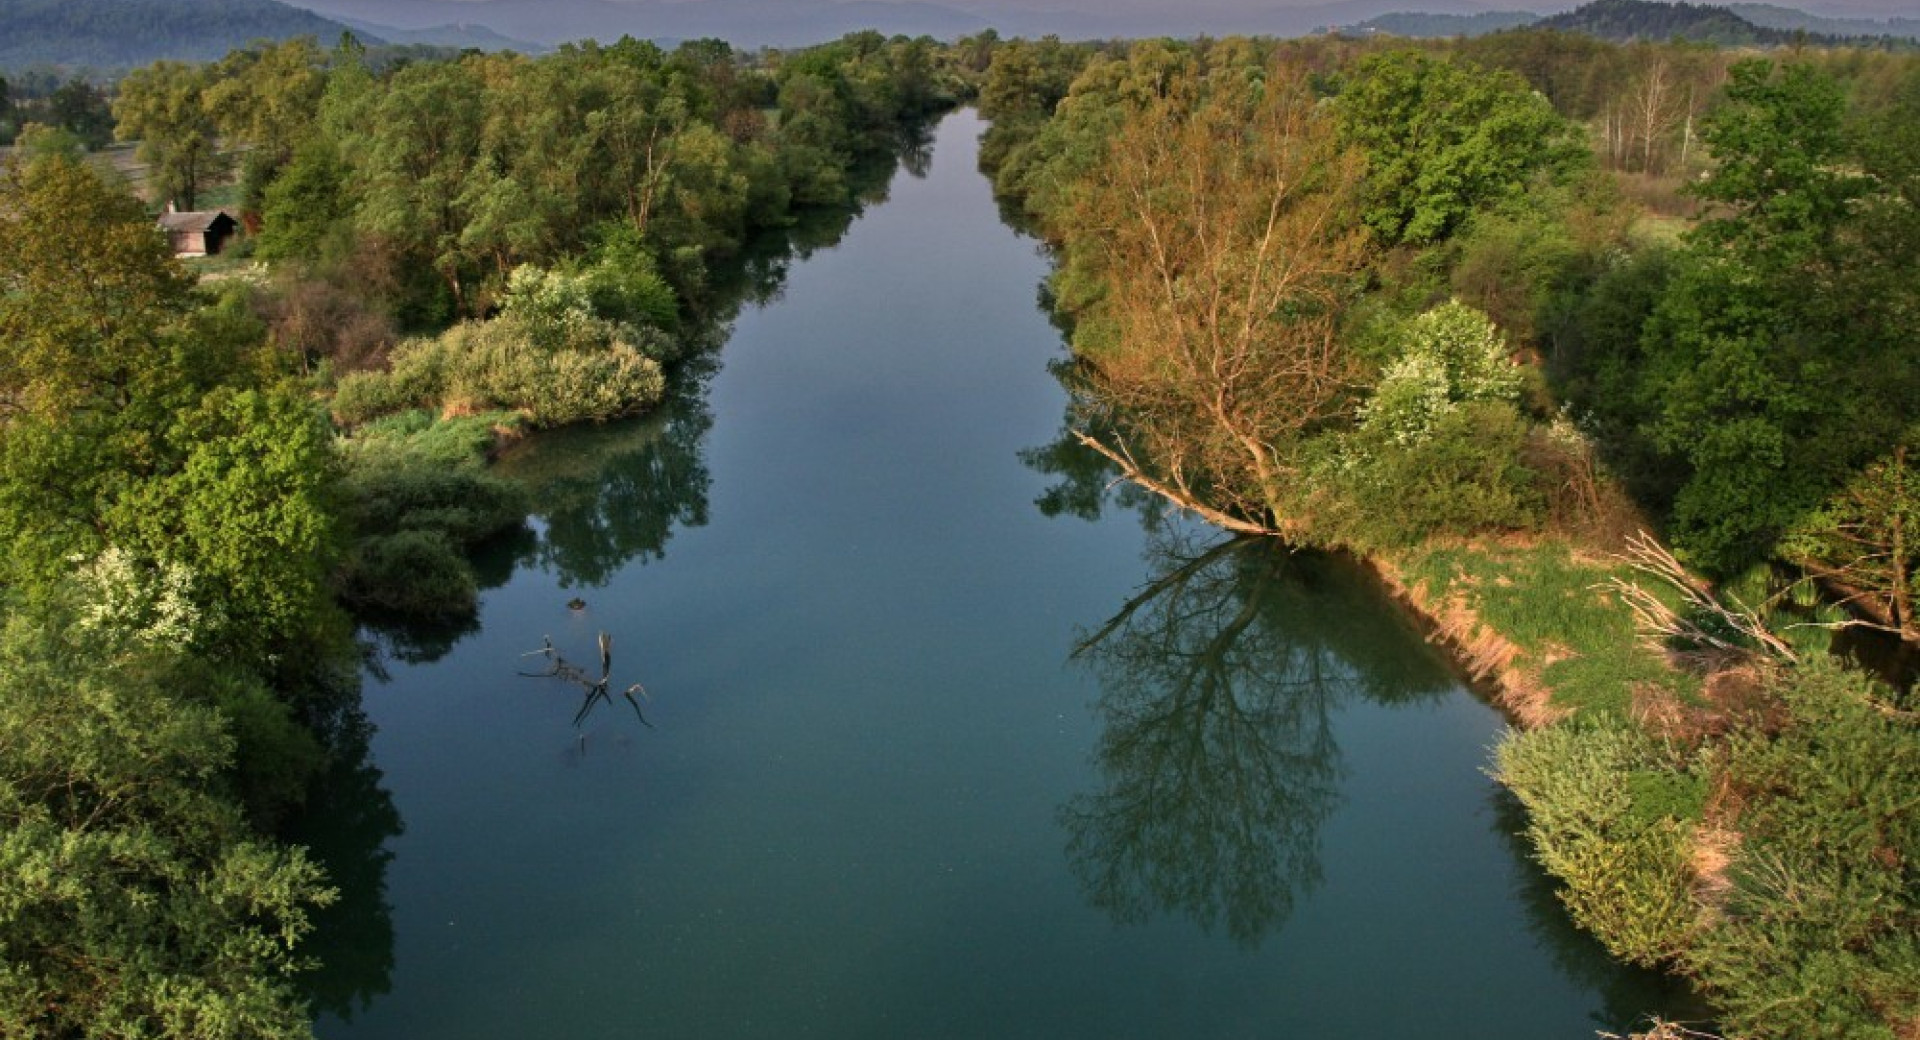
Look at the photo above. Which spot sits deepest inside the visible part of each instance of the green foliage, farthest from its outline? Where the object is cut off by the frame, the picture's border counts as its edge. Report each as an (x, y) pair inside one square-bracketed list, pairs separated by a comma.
[(1780, 141), (624, 285), (304, 212), (554, 368), (87, 325), (133, 899), (80, 108), (1778, 362), (248, 509), (419, 573), (418, 486), (1868, 537), (1610, 815), (417, 497), (1820, 936), (1445, 138), (1464, 475), (38, 141), (162, 107)]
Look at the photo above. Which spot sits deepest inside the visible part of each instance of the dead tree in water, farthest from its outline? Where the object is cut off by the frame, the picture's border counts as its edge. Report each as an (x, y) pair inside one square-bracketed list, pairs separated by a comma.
[(597, 690)]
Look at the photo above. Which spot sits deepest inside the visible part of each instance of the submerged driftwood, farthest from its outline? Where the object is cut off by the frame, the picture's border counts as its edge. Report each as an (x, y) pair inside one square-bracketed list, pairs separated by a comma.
[(597, 690)]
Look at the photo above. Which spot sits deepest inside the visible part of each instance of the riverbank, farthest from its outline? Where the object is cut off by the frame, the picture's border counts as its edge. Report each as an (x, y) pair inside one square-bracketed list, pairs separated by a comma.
[(1721, 815), (1290, 308)]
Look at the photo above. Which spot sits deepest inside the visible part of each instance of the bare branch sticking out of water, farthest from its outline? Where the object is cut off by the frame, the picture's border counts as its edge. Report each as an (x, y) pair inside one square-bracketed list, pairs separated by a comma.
[(596, 690)]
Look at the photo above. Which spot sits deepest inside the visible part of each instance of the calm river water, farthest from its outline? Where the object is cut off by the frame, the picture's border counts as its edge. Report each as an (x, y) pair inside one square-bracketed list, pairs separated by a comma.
[(880, 794)]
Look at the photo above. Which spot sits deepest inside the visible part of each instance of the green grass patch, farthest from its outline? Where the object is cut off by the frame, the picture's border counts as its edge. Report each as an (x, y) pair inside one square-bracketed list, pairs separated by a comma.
[(1573, 632)]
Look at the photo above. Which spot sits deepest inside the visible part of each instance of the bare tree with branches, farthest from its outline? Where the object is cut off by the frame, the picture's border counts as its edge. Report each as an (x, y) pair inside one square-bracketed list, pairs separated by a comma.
[(1227, 241)]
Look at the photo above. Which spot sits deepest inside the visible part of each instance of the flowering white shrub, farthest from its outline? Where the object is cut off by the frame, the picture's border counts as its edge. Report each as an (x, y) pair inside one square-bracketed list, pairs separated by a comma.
[(150, 603), (1454, 355)]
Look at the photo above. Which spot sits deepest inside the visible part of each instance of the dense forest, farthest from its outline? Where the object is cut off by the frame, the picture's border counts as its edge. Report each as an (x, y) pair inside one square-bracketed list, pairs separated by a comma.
[(1483, 311), (1487, 312), (454, 252)]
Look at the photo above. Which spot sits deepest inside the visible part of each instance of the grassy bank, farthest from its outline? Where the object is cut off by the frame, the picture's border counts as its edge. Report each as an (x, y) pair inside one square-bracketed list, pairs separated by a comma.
[(1743, 819)]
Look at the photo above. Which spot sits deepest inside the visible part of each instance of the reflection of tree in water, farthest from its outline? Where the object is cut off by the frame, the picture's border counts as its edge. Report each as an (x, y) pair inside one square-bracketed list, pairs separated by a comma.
[(606, 495), (1217, 685), (757, 275), (1086, 481), (345, 825)]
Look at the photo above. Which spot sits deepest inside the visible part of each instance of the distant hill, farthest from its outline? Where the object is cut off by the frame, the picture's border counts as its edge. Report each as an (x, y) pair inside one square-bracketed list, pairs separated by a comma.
[(1644, 20), (786, 23), (1736, 25), (119, 34), (464, 36), (1773, 16), (1412, 23), (747, 23)]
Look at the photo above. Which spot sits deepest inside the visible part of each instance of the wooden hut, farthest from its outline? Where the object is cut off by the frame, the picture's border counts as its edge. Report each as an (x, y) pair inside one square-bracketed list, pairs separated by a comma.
[(197, 233)]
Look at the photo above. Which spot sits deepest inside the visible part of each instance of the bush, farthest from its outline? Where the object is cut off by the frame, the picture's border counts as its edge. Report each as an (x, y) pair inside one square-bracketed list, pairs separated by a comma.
[(1465, 476), (416, 572), (554, 371), (361, 397), (463, 506), (1453, 355), (1820, 936), (1611, 815)]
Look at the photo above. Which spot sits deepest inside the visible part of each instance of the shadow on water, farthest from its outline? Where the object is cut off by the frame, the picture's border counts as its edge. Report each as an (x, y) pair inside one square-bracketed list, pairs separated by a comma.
[(1218, 681), (346, 825), (1217, 685)]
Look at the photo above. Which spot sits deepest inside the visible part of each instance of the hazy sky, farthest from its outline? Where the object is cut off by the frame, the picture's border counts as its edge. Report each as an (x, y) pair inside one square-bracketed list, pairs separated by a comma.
[(790, 22), (1857, 8)]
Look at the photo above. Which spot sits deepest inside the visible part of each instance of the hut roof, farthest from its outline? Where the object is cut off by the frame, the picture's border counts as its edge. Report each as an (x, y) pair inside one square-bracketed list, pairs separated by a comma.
[(195, 220)]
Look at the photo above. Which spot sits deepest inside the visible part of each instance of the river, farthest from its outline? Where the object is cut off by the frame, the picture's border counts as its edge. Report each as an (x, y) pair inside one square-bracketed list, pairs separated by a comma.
[(918, 757)]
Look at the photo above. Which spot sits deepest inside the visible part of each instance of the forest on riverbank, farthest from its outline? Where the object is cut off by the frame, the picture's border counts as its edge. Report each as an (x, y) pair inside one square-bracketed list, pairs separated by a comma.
[(1491, 311), (1482, 311), (210, 477)]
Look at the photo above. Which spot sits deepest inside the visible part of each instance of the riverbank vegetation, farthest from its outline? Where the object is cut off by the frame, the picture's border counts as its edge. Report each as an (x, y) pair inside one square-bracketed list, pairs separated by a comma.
[(199, 479), (1483, 310)]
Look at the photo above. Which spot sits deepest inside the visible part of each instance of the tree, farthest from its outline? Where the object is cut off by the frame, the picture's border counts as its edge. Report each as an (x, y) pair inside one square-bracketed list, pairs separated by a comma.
[(305, 212), (247, 507), (1782, 164), (84, 322), (1221, 224), (265, 98), (1779, 361), (81, 107), (162, 107), (1867, 540), (133, 898), (1444, 138), (414, 148)]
